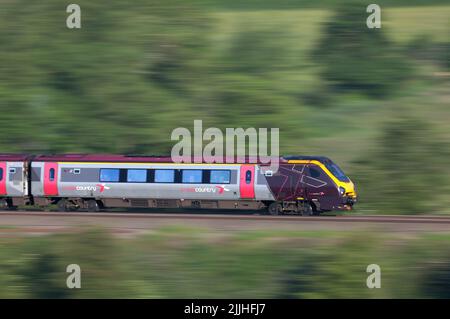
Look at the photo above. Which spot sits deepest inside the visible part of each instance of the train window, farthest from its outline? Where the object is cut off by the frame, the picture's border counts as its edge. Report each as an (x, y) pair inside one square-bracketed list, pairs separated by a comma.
[(1, 174), (51, 174), (248, 177), (192, 176), (76, 171), (137, 176), (109, 175), (336, 171), (164, 176), (315, 173), (220, 177), (12, 170)]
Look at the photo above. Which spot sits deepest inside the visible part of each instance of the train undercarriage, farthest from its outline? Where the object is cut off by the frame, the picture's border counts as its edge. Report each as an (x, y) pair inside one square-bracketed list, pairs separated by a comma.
[(304, 208)]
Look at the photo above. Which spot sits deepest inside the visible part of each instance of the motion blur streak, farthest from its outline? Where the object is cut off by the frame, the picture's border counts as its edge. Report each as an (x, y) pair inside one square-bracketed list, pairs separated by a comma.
[(376, 101)]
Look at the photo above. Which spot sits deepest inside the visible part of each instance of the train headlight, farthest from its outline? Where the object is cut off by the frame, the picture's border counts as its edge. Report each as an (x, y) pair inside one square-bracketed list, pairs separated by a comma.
[(341, 190)]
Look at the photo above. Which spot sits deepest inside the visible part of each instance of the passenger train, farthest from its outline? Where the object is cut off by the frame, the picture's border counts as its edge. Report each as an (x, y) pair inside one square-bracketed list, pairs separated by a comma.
[(306, 185)]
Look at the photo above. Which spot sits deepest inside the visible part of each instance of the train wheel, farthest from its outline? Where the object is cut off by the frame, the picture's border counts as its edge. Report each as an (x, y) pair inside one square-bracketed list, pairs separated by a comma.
[(4, 204), (307, 210), (275, 209), (93, 206), (63, 205)]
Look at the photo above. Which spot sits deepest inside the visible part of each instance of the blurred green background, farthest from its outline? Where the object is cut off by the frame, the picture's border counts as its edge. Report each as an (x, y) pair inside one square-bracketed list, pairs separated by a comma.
[(181, 262), (376, 101)]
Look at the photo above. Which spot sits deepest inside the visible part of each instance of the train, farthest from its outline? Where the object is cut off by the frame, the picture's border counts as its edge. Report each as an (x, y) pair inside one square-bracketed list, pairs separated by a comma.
[(305, 185)]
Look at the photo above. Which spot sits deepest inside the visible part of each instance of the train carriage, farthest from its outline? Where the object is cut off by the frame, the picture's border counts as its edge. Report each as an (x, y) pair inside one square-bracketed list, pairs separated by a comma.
[(13, 180), (304, 185)]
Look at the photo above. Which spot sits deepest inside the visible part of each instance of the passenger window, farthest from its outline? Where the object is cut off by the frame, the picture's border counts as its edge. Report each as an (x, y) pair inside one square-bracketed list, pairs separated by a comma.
[(248, 177), (192, 176), (1, 174), (12, 170), (51, 174), (137, 176), (220, 177), (109, 175), (164, 176), (314, 172)]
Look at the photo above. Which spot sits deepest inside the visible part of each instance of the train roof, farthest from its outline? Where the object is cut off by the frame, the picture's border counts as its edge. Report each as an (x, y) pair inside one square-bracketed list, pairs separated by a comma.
[(13, 157), (322, 159), (142, 158), (129, 158), (157, 158), (102, 158)]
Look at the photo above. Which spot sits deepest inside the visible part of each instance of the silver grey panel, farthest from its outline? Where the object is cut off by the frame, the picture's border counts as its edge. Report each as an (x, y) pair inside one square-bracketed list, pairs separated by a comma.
[(35, 174), (86, 174), (17, 175), (262, 190), (233, 177), (37, 185), (260, 178), (16, 183)]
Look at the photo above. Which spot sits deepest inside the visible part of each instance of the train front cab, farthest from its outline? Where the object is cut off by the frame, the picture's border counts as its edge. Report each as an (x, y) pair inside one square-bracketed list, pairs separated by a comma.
[(326, 186)]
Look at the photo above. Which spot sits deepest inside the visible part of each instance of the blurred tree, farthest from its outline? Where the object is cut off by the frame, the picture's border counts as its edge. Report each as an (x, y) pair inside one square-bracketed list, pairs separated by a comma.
[(44, 278), (107, 87), (257, 51), (406, 172), (356, 58), (327, 273), (425, 49), (434, 281)]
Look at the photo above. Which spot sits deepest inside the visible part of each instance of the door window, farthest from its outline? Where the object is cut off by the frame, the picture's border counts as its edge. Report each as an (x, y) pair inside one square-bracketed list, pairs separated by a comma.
[(248, 177), (51, 174)]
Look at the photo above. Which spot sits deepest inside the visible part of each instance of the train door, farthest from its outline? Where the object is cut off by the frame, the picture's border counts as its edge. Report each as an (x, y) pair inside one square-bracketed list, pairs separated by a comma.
[(50, 179), (3, 175), (247, 181)]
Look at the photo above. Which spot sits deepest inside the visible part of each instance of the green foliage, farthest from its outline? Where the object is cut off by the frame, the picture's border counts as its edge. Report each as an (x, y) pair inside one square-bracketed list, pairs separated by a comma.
[(356, 58), (405, 173), (424, 49), (302, 4), (185, 263), (435, 280), (99, 88), (132, 74), (324, 274)]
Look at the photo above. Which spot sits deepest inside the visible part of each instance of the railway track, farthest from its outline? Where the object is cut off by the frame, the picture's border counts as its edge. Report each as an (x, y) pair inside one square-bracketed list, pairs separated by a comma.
[(13, 223), (234, 216)]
